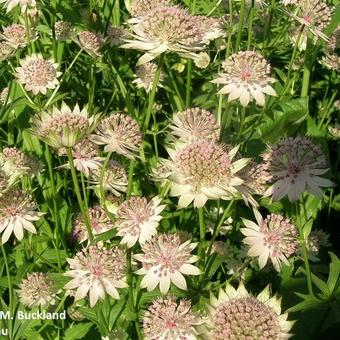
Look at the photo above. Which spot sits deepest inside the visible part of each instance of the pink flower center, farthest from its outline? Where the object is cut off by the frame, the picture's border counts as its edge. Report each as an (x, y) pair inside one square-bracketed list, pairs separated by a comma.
[(170, 324), (245, 74)]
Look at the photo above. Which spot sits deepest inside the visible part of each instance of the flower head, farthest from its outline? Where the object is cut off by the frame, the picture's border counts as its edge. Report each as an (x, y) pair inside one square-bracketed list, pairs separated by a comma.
[(246, 77), (37, 74), (10, 4), (15, 35), (195, 124), (64, 30), (115, 35), (99, 222), (97, 271), (145, 76), (63, 127), (331, 61), (168, 319), (236, 314), (17, 212), (140, 8), (91, 42), (137, 219), (85, 156), (37, 290), (294, 165), (114, 178), (16, 163), (165, 259), (273, 238), (119, 133), (6, 51), (204, 170), (164, 29), (4, 96)]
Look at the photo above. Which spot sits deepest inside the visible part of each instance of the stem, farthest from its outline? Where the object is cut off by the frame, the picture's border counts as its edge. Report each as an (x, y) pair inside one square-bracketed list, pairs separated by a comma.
[(242, 119), (10, 290), (83, 187), (130, 178), (218, 226), (307, 66), (188, 86), (304, 250), (240, 25), (269, 24), (153, 93), (116, 13), (250, 27), (180, 105), (78, 194), (201, 250)]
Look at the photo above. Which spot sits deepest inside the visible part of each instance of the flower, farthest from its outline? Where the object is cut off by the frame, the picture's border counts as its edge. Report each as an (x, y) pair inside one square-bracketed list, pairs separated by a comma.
[(17, 212), (236, 314), (202, 60), (64, 30), (37, 290), (140, 8), (115, 35), (114, 178), (169, 29), (315, 240), (85, 156), (204, 170), (10, 4), (331, 61), (168, 319), (165, 259), (99, 222), (4, 96), (6, 51), (246, 77), (64, 127), (145, 76), (6, 182), (119, 133), (15, 35), (294, 165), (137, 219), (195, 124), (16, 163), (91, 42), (97, 271), (273, 238), (334, 130), (37, 74)]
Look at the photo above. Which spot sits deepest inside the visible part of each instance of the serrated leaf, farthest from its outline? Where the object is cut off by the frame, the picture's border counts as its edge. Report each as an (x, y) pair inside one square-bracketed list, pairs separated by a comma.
[(75, 332)]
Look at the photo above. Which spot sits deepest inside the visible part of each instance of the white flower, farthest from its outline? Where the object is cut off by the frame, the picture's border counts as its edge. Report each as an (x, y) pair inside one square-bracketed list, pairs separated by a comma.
[(145, 76), (165, 259), (137, 220), (97, 271), (10, 4), (37, 74)]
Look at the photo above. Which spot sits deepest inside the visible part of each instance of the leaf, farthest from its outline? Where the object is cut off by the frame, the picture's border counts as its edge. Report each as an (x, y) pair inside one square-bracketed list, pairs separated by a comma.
[(321, 285), (78, 331), (334, 273), (308, 303)]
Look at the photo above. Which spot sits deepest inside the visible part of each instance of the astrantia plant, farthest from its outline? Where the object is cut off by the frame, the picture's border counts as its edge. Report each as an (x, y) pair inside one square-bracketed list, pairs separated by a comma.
[(159, 156)]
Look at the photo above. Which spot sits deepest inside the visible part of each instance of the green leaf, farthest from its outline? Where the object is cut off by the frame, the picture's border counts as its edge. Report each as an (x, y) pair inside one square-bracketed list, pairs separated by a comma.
[(78, 331), (334, 273)]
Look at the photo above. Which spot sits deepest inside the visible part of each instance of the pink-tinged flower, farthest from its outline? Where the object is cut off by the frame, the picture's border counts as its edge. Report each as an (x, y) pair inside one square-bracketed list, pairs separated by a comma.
[(15, 35), (115, 35), (17, 212), (97, 271), (91, 42), (114, 178), (290, 2), (273, 238), (168, 319), (236, 314), (4, 96), (6, 51), (85, 157), (195, 124), (140, 8), (295, 166), (6, 182), (99, 221), (246, 77), (64, 30), (16, 163), (64, 127), (23, 4), (165, 259), (331, 61), (37, 290), (145, 76), (119, 133), (37, 74), (204, 170), (137, 219), (167, 29)]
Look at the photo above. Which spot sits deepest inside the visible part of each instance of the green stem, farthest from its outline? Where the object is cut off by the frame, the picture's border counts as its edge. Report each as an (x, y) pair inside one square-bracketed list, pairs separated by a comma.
[(201, 250), (242, 120), (116, 13), (250, 26), (188, 86), (11, 292), (240, 25), (269, 24), (78, 194), (101, 179), (180, 104), (307, 66), (153, 93), (130, 178), (218, 227), (83, 186)]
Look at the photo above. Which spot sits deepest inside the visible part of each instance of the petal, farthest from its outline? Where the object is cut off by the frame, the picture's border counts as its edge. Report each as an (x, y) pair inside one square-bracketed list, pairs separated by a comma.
[(178, 279)]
